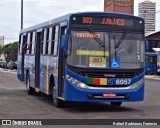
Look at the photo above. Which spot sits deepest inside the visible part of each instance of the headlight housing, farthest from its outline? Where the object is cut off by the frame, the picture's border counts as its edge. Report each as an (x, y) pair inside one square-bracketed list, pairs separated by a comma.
[(137, 84), (76, 82)]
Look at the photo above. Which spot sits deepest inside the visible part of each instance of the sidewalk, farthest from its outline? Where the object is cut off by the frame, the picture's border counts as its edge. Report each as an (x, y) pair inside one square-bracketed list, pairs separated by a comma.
[(152, 77)]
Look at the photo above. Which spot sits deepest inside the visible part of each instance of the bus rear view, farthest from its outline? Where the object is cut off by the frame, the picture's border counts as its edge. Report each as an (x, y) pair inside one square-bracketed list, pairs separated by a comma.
[(105, 58)]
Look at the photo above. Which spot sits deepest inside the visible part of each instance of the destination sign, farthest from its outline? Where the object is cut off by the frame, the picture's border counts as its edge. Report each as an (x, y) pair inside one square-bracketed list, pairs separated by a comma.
[(110, 20)]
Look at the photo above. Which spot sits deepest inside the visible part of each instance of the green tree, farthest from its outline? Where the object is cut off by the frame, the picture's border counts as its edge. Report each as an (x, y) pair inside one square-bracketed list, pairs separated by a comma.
[(0, 49), (10, 51)]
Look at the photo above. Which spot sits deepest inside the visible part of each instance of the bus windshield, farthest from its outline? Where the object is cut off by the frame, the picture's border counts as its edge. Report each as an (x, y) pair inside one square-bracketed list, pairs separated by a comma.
[(86, 52)]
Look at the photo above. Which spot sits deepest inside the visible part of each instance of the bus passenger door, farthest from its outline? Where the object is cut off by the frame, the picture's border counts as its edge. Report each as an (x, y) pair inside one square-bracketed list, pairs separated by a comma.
[(23, 43), (61, 67), (37, 59)]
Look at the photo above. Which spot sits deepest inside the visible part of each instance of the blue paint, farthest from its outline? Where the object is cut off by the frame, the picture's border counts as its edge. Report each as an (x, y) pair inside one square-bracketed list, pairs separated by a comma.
[(115, 63)]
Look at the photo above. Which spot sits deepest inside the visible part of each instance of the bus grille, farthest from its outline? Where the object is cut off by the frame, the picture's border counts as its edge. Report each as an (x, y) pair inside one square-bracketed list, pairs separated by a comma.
[(109, 75)]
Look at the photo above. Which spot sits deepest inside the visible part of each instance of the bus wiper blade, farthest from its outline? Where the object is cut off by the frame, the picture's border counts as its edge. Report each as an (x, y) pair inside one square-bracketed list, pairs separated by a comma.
[(121, 40), (98, 40)]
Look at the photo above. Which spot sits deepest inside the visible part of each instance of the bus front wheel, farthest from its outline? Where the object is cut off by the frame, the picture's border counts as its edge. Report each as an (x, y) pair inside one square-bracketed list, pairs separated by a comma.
[(58, 102), (116, 104)]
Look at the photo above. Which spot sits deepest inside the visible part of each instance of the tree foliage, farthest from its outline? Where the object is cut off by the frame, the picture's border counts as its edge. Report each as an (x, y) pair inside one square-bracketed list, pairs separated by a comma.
[(0, 49), (10, 51)]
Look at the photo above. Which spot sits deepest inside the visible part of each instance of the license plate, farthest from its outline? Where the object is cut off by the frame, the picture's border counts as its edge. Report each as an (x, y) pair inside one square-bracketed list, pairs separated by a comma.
[(97, 62), (110, 94)]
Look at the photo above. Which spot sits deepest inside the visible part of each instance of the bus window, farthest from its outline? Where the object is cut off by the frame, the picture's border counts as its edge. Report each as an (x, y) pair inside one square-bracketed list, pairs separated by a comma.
[(21, 44), (154, 60), (41, 50), (46, 46), (33, 42), (30, 47), (53, 40), (146, 57), (56, 40), (45, 41), (151, 59), (24, 43), (28, 43), (50, 40)]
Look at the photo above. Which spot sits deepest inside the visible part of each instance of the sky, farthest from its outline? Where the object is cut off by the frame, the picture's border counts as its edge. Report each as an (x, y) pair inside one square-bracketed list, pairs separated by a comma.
[(38, 11)]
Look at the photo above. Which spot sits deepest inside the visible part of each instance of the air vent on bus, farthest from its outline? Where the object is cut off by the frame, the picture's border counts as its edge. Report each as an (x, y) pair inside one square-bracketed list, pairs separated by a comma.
[(109, 75)]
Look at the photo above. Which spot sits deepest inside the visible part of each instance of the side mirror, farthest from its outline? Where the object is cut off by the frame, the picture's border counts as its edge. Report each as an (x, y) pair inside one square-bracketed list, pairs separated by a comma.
[(63, 42), (146, 46)]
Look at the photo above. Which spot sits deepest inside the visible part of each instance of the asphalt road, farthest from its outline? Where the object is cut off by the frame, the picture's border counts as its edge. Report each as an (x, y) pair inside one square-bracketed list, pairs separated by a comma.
[(15, 103)]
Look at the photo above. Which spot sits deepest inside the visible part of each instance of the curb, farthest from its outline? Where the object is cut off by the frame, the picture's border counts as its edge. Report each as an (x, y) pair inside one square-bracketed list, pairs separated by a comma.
[(152, 77)]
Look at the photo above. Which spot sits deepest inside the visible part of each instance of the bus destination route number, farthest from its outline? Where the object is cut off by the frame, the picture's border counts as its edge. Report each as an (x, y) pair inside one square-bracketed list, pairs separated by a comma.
[(104, 21), (97, 62)]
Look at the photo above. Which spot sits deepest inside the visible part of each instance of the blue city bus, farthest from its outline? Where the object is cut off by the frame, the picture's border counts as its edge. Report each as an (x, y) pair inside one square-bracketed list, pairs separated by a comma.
[(151, 66), (85, 57)]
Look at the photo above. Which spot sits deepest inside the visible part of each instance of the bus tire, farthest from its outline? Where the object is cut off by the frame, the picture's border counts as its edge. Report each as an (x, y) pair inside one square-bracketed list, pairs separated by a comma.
[(57, 102), (51, 85), (116, 104), (29, 89)]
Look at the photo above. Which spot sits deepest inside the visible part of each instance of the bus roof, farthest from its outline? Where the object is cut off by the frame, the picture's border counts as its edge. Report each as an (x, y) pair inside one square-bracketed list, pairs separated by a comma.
[(67, 16)]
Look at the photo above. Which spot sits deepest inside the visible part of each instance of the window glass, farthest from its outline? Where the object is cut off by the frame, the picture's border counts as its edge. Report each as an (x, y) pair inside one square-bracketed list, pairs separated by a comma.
[(56, 40), (33, 42), (24, 45), (53, 40), (106, 50), (30, 47), (50, 40), (146, 59), (28, 43), (128, 48), (44, 40), (21, 44)]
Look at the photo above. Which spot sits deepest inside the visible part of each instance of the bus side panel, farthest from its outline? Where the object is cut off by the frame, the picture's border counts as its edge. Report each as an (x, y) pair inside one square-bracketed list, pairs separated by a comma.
[(45, 68), (26, 66), (19, 76), (53, 70), (158, 64), (32, 71), (42, 73)]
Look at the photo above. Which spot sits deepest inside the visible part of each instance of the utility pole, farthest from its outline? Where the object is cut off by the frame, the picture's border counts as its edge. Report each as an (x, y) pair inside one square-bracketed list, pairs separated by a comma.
[(21, 14)]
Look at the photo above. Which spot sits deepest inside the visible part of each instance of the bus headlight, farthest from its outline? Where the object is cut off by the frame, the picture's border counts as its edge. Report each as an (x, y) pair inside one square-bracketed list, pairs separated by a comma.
[(76, 82), (82, 85), (137, 84)]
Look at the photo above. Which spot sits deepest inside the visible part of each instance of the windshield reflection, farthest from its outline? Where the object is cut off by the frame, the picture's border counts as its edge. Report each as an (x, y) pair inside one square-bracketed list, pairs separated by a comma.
[(87, 53)]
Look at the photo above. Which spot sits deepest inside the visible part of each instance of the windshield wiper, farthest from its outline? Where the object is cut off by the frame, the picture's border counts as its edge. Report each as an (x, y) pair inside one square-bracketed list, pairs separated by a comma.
[(123, 36), (97, 39), (116, 45)]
